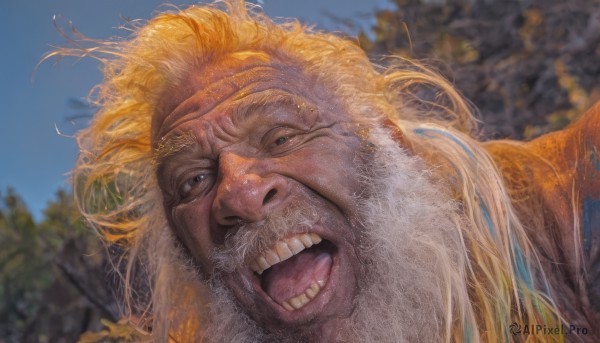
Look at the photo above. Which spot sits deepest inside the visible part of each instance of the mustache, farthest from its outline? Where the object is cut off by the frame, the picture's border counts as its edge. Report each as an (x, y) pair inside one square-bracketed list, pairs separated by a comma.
[(245, 241)]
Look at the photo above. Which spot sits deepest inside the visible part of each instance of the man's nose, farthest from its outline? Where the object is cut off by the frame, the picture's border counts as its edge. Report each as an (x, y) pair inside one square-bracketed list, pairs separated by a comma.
[(247, 190)]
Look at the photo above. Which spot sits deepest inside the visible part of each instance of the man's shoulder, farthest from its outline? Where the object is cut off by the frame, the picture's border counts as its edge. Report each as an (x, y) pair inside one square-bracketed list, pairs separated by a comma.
[(563, 170), (568, 159)]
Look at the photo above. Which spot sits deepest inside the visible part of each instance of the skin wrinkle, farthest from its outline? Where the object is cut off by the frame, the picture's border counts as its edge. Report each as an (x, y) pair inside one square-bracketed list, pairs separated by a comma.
[(245, 104), (187, 114), (219, 87), (243, 110), (261, 102)]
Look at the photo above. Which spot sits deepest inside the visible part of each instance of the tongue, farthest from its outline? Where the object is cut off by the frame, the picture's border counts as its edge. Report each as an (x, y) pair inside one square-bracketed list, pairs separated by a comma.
[(292, 277)]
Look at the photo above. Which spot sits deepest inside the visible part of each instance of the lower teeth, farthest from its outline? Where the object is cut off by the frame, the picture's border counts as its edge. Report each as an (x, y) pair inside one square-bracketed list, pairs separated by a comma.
[(299, 301)]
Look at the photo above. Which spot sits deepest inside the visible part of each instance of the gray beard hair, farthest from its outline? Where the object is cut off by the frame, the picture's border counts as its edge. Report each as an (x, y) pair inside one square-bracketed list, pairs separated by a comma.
[(410, 256)]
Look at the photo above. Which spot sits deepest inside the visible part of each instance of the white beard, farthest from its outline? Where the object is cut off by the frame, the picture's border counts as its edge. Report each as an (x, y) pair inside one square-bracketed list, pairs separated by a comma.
[(413, 275)]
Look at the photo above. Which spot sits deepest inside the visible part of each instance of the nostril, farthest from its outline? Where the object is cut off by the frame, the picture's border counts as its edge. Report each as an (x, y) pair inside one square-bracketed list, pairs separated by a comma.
[(269, 196)]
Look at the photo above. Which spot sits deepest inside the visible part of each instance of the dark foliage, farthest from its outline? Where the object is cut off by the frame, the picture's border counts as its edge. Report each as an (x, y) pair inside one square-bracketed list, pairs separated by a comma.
[(530, 66), (38, 302)]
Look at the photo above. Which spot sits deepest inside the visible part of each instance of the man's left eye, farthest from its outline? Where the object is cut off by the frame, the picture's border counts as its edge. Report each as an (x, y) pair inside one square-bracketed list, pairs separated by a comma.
[(281, 140)]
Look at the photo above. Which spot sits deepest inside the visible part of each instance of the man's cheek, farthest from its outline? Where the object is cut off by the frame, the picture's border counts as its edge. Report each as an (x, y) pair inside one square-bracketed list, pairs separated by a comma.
[(191, 222), (338, 167)]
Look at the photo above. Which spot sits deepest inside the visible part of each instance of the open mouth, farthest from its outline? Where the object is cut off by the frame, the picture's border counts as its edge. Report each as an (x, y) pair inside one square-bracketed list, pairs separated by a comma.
[(295, 270)]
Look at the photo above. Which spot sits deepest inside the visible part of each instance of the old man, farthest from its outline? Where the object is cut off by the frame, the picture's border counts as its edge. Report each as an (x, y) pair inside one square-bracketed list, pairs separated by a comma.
[(274, 185)]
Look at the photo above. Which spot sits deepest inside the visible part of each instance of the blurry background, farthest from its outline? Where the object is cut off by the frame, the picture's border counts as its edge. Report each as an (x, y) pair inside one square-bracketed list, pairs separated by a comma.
[(529, 66)]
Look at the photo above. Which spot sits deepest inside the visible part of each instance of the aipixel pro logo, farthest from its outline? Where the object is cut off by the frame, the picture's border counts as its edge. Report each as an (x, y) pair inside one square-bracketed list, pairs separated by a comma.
[(541, 329)]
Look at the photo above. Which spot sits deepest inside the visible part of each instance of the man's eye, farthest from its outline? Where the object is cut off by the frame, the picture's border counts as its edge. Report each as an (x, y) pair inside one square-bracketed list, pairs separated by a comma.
[(281, 140), (190, 184)]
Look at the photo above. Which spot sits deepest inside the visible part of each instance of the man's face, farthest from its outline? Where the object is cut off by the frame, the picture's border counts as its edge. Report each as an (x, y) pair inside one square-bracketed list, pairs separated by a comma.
[(263, 193)]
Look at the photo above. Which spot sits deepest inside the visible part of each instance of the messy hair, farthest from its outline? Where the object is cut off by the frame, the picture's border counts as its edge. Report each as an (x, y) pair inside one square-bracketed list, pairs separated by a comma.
[(117, 191)]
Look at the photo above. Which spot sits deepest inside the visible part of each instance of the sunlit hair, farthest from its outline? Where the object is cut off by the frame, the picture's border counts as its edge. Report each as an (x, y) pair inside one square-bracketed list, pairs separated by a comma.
[(117, 190)]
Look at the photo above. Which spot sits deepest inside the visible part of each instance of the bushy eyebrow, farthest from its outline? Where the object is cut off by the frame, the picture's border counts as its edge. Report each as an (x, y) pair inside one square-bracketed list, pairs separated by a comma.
[(170, 145), (257, 103)]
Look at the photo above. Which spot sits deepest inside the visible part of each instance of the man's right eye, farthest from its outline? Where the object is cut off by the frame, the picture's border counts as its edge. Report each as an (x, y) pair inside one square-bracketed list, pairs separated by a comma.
[(194, 185)]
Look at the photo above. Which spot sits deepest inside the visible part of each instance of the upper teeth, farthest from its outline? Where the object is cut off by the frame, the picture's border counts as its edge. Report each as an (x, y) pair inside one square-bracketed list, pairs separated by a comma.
[(283, 250)]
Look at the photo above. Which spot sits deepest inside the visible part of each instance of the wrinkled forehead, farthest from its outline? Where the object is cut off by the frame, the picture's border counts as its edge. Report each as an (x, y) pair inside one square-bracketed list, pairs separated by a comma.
[(231, 78)]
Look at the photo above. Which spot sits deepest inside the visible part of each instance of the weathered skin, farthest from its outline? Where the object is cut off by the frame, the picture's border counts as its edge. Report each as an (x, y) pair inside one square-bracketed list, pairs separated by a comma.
[(294, 150), (554, 180)]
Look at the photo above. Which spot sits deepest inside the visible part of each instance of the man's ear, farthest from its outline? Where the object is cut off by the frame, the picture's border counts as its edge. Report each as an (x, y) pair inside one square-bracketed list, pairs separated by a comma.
[(398, 135)]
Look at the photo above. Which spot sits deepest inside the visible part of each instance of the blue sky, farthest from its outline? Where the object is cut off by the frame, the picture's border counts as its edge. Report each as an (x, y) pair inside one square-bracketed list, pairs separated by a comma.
[(34, 158)]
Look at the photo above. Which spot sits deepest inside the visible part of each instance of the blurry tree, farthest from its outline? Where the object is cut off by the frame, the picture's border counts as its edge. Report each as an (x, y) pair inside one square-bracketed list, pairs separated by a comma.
[(530, 66), (38, 302), (56, 279), (22, 272)]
